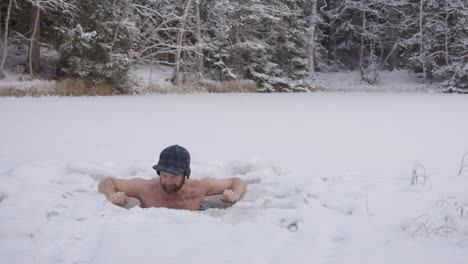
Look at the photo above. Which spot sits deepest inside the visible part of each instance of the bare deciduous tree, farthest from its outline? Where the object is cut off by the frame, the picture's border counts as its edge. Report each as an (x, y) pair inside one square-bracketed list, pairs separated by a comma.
[(180, 37), (5, 40), (34, 55)]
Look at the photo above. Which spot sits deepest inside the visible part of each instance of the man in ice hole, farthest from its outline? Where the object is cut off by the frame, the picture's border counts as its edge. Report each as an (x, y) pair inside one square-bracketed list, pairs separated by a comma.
[(173, 188)]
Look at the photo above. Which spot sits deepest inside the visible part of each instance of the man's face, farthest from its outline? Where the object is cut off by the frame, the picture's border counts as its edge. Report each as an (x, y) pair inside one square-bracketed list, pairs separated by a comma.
[(171, 183)]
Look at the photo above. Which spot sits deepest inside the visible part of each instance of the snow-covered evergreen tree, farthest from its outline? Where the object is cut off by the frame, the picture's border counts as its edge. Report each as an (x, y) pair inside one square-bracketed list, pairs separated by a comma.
[(367, 33), (100, 45), (436, 42), (260, 40)]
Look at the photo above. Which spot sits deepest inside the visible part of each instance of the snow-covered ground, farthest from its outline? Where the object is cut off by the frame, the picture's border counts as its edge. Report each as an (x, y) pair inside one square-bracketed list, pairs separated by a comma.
[(151, 78), (329, 178)]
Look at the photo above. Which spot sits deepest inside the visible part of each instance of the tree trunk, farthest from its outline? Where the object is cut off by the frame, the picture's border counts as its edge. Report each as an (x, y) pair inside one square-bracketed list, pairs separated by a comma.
[(394, 36), (1, 4), (421, 48), (199, 74), (311, 43), (331, 36), (361, 52), (5, 41), (447, 30), (34, 55), (176, 76)]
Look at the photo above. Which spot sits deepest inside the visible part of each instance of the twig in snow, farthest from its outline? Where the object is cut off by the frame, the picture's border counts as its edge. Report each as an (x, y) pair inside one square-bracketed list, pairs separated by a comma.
[(464, 163)]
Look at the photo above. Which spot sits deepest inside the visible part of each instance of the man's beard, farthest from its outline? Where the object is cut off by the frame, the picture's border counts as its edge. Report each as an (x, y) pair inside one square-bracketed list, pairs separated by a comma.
[(173, 188)]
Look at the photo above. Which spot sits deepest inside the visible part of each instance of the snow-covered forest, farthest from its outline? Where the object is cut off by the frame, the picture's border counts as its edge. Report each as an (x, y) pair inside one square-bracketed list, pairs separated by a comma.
[(278, 44), (345, 119)]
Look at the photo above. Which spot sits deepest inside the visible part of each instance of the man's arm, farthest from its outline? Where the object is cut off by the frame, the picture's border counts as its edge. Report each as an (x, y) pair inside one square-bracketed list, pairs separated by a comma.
[(117, 191), (232, 189)]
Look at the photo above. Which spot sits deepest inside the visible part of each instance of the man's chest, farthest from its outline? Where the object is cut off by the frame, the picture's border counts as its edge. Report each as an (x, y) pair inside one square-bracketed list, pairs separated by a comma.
[(190, 201)]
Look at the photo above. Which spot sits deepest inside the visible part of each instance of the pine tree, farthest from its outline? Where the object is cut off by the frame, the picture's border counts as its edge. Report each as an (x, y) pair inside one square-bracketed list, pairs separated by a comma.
[(100, 45)]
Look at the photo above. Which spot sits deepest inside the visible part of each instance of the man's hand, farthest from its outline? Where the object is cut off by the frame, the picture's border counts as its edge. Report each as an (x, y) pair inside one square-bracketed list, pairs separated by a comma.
[(119, 198), (230, 196)]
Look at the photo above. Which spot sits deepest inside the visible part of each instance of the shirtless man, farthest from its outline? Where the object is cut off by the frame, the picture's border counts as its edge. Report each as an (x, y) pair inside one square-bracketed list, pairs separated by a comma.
[(172, 189)]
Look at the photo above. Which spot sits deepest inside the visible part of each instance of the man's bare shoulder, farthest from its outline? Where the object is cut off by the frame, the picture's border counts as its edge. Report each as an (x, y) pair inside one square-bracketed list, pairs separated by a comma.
[(197, 185), (136, 183), (145, 182), (136, 180), (204, 182), (211, 181), (212, 186), (194, 183)]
